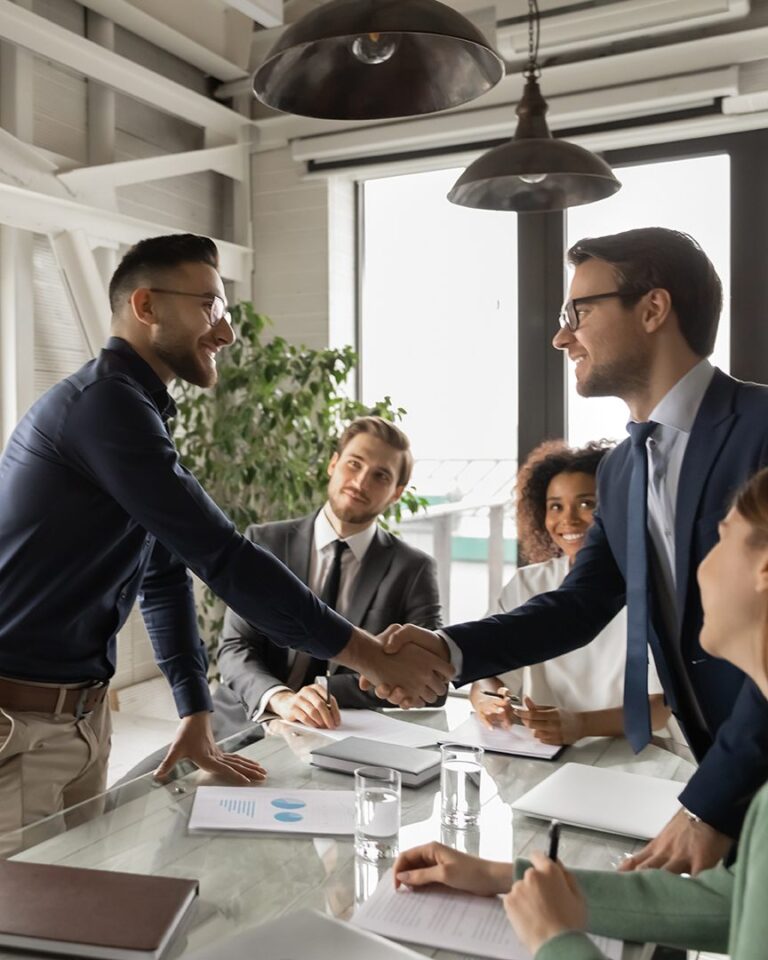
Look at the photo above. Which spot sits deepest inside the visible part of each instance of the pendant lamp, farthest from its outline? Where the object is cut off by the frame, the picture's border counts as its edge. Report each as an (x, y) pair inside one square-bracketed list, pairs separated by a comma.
[(534, 172), (376, 59)]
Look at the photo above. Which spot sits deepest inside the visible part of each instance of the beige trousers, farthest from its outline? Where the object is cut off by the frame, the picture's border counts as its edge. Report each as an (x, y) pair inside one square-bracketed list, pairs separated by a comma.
[(48, 763)]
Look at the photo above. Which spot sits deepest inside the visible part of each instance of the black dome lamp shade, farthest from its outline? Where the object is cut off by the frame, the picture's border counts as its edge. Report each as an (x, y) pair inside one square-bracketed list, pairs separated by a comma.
[(534, 172), (377, 59)]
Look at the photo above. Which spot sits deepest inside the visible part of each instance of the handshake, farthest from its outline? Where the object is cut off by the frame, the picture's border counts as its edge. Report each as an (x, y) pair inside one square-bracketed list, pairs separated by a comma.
[(407, 665)]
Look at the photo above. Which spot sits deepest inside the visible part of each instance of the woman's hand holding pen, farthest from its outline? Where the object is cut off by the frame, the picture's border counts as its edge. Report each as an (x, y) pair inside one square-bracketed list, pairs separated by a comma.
[(551, 725), (494, 708), (545, 903)]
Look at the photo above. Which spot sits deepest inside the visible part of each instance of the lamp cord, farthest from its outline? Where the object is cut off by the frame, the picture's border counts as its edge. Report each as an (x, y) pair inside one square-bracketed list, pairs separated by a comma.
[(532, 68)]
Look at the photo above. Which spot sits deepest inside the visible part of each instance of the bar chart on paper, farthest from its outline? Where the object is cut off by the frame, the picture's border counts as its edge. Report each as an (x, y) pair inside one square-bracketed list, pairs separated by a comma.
[(271, 810)]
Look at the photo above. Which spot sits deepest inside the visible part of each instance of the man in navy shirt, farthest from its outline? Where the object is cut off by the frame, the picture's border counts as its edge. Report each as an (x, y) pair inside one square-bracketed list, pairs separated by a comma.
[(96, 510)]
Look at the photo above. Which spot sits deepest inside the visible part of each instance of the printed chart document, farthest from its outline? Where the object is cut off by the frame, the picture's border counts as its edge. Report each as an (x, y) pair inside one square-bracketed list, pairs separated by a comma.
[(303, 935), (378, 726), (518, 740), (317, 812), (451, 920)]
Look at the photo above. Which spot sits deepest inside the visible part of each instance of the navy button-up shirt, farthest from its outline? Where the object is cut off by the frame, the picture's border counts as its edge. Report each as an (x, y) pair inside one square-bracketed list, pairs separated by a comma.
[(95, 510)]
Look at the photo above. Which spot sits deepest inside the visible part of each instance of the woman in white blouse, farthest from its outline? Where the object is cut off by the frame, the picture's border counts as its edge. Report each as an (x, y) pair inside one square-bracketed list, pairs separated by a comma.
[(581, 693)]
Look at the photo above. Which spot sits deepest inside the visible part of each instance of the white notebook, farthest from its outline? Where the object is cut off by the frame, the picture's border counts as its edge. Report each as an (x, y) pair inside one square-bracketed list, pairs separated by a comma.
[(450, 920), (270, 810), (301, 936), (518, 741), (630, 804)]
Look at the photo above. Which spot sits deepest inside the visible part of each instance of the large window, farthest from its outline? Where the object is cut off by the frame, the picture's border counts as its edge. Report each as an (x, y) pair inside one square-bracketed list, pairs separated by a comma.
[(439, 316), (692, 195)]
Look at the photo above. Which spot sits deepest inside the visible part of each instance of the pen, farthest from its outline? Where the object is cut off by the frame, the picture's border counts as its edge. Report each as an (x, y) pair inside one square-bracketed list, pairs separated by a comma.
[(554, 839), (502, 696), (328, 683)]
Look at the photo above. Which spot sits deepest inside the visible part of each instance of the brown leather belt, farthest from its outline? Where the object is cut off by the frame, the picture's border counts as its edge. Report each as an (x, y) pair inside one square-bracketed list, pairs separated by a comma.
[(16, 695)]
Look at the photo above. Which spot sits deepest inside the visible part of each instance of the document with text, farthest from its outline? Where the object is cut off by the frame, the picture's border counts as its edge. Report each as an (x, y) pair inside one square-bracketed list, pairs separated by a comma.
[(317, 812), (378, 726), (450, 920)]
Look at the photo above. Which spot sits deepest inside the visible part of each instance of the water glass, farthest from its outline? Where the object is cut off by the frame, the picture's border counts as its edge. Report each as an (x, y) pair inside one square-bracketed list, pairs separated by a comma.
[(377, 812), (460, 784)]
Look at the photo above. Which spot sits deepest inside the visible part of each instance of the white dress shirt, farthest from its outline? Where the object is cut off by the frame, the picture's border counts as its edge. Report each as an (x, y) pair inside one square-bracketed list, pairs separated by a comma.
[(320, 561), (590, 678), (675, 414)]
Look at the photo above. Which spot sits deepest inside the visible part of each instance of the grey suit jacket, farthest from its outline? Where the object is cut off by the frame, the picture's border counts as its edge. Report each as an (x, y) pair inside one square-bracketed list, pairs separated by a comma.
[(396, 583)]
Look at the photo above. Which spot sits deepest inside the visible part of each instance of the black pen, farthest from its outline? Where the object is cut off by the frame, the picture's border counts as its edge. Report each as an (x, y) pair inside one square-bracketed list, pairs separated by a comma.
[(554, 839), (501, 696), (328, 683)]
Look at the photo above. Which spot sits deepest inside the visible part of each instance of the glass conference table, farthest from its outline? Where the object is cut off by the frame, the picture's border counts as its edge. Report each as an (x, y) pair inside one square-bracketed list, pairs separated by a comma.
[(141, 827)]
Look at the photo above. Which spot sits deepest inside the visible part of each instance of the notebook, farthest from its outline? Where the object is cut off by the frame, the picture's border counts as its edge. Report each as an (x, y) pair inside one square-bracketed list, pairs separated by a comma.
[(416, 767), (612, 801), (90, 913)]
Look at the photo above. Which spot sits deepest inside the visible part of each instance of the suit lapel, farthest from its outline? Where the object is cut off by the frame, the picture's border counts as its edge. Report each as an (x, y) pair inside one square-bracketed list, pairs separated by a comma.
[(710, 429), (298, 551), (373, 569)]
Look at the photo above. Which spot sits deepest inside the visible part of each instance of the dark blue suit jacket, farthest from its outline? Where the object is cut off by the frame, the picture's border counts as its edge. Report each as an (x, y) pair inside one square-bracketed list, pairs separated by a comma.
[(723, 714)]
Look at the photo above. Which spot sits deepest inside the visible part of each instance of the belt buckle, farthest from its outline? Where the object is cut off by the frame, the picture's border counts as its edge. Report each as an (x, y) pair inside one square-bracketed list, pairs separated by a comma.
[(79, 711)]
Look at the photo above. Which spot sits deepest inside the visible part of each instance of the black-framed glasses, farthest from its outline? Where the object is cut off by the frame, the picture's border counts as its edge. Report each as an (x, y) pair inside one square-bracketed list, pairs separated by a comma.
[(217, 310), (569, 314)]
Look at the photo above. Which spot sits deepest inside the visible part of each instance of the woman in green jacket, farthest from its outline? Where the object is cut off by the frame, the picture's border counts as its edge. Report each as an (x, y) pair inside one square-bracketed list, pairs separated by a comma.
[(724, 909)]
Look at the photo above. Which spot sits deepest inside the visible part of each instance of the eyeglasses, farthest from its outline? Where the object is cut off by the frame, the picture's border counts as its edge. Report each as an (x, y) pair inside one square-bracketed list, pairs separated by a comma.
[(569, 315), (217, 310)]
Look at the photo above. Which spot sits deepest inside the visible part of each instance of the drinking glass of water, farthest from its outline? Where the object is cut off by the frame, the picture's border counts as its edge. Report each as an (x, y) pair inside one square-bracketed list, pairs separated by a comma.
[(377, 812), (460, 784)]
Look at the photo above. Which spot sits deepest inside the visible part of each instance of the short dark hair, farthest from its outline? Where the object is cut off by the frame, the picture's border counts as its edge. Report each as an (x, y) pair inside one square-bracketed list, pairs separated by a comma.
[(654, 257), (391, 435), (152, 256), (543, 464)]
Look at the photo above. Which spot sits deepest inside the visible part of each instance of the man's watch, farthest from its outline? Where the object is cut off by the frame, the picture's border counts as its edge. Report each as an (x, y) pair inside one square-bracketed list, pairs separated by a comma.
[(691, 816)]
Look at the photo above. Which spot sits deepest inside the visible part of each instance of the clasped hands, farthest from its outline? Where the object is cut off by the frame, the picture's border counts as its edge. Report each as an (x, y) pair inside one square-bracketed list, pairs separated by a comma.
[(407, 665)]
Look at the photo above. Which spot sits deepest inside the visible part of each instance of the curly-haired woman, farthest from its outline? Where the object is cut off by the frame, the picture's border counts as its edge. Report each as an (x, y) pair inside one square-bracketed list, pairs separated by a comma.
[(581, 693)]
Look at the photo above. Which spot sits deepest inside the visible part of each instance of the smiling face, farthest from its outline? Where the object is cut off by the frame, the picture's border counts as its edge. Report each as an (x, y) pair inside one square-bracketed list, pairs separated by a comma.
[(733, 579), (181, 336), (363, 479), (571, 502), (609, 348)]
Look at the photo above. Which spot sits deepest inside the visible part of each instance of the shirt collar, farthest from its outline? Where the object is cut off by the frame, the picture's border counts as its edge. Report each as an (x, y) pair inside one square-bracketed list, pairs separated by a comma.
[(141, 371), (358, 543), (678, 407)]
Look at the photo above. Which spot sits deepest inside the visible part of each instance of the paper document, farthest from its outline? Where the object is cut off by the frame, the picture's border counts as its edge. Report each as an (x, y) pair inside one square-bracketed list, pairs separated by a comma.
[(450, 920), (276, 811), (378, 726), (299, 936), (518, 740)]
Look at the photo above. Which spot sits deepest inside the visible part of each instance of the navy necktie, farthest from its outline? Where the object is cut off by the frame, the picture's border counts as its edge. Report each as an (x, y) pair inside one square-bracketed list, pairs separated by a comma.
[(637, 716)]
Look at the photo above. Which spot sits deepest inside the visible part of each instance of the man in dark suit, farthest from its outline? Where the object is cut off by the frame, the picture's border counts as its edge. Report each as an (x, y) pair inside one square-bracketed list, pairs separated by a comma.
[(379, 580), (641, 319)]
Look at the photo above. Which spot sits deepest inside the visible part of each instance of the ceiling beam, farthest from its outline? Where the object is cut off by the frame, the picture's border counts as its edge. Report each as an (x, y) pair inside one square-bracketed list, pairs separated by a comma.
[(267, 13), (231, 161), (168, 37), (47, 39), (43, 213)]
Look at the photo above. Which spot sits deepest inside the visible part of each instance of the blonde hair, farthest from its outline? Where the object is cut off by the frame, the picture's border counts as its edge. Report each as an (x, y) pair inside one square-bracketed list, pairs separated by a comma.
[(391, 435)]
